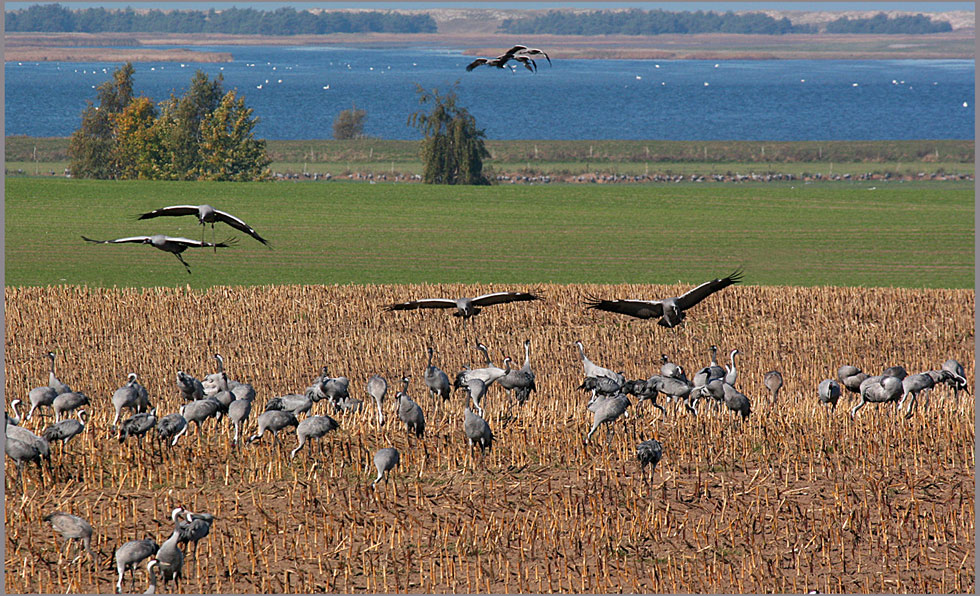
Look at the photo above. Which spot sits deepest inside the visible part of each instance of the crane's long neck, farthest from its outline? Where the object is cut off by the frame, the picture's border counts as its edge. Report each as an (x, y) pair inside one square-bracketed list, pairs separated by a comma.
[(714, 356), (429, 365), (405, 386), (15, 419), (486, 354), (221, 362), (527, 354), (581, 352), (51, 356)]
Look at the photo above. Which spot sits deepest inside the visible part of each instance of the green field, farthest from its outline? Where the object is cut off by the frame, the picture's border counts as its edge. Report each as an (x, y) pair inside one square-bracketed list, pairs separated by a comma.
[(899, 234)]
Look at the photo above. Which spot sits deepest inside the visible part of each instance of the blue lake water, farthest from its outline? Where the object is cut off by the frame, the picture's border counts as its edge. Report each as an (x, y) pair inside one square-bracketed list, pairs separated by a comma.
[(573, 99)]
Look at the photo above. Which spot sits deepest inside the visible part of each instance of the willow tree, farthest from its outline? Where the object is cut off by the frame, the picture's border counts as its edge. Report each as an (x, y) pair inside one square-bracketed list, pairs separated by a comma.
[(452, 149)]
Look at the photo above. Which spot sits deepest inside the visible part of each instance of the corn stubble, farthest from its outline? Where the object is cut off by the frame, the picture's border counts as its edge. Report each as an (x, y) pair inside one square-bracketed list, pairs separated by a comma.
[(790, 500)]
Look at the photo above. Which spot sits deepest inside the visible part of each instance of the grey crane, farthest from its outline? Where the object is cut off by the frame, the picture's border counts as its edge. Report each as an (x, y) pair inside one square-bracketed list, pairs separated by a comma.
[(520, 380), (956, 369), (773, 380), (602, 386), (520, 50), (646, 391), (221, 382), (171, 558), (409, 412), (275, 421), (898, 372), (671, 311), (499, 62), (222, 392), (22, 452), (238, 412), (829, 392), (712, 371), (675, 389), (878, 389), (592, 370), (196, 528), (465, 307), (731, 373), (173, 245), (313, 427), (436, 379), (68, 402), (528, 63), (477, 431), (912, 385), (206, 214), (171, 427), (40, 397), (851, 377), (132, 395), (131, 554), (22, 434), (488, 374), (649, 452), (66, 430), (669, 369), (385, 460), (476, 389), (53, 381), (138, 425), (609, 410), (336, 389), (190, 388), (199, 410), (715, 389), (294, 402), (377, 388), (151, 576), (736, 401), (72, 527)]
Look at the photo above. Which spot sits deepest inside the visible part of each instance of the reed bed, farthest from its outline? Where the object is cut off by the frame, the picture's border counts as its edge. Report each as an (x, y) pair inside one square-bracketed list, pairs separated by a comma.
[(792, 499)]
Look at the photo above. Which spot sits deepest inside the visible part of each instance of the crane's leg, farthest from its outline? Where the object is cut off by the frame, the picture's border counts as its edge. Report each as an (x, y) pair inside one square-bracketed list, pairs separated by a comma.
[(183, 262)]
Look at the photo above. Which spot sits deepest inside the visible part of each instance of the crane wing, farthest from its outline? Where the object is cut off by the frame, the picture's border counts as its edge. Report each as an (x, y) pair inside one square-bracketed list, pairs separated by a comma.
[(139, 239), (475, 63), (513, 50), (240, 225), (172, 210), (198, 244), (423, 303), (706, 289), (502, 297), (641, 309)]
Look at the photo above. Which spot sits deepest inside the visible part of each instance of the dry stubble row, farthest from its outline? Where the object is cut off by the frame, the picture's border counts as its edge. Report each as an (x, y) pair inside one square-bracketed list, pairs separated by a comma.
[(793, 499)]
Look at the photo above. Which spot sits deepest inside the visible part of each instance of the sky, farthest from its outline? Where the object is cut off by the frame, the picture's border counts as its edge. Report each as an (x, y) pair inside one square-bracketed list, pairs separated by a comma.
[(530, 5)]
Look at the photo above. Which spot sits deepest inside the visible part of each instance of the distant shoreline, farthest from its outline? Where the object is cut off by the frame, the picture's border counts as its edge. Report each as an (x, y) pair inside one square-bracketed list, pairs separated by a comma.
[(70, 47)]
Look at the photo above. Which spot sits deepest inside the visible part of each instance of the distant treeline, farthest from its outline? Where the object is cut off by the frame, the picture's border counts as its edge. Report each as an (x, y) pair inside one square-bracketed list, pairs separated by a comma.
[(657, 22), (283, 21), (650, 22), (880, 23)]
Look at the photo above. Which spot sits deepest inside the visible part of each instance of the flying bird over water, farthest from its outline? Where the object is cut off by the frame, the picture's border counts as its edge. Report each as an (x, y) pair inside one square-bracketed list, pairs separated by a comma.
[(520, 53), (669, 310), (206, 214), (465, 307), (167, 243)]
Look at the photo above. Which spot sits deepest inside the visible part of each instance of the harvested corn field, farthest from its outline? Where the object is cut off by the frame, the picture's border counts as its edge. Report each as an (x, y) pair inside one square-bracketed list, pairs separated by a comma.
[(792, 499)]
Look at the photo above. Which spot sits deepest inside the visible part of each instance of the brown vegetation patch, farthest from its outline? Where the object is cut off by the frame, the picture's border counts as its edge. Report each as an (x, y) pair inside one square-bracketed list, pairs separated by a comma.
[(790, 500)]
